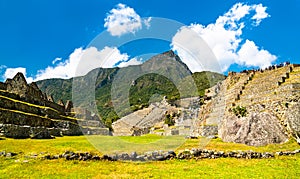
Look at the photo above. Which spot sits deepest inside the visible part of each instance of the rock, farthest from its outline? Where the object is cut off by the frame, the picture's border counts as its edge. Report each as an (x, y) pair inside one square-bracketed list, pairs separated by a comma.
[(16, 131), (257, 129), (191, 137), (96, 157), (159, 158), (3, 153), (297, 151), (141, 158), (10, 154), (106, 157), (293, 119), (133, 155), (40, 133), (211, 137)]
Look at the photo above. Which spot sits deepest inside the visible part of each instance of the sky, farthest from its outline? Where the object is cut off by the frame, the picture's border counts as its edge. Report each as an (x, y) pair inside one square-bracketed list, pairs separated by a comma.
[(47, 39)]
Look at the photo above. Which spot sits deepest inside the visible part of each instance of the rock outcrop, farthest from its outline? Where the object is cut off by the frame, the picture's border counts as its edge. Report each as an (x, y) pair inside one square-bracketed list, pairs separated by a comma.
[(256, 129)]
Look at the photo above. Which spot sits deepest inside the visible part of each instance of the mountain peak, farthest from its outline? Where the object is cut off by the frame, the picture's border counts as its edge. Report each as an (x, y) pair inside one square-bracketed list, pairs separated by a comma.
[(170, 53)]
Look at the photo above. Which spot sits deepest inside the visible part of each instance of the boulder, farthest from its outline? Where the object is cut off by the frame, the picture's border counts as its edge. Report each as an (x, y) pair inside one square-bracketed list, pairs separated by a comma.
[(293, 120), (257, 129)]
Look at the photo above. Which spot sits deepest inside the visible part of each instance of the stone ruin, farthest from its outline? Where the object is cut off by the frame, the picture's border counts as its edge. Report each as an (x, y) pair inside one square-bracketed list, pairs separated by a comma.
[(27, 112), (253, 107), (152, 119), (270, 99)]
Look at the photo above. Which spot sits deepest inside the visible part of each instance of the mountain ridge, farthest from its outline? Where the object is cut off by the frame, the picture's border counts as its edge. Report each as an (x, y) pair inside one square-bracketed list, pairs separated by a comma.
[(145, 86)]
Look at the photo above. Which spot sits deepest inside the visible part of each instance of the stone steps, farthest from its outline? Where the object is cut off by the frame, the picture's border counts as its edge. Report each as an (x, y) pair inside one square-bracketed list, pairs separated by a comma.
[(95, 131), (294, 76), (154, 117), (12, 104), (265, 85), (264, 99), (121, 128)]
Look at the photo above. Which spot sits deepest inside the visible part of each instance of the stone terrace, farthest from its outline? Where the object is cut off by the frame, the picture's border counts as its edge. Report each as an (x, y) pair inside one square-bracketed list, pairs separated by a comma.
[(25, 111)]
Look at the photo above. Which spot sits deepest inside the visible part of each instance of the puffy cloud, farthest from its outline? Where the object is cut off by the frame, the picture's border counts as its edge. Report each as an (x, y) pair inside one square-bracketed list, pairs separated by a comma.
[(193, 51), (11, 72), (81, 61), (224, 37), (123, 19), (56, 60), (260, 13), (132, 61), (64, 69), (250, 55)]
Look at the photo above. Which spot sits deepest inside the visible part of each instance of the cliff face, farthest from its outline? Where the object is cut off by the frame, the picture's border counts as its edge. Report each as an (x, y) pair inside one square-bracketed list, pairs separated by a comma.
[(255, 107), (25, 111)]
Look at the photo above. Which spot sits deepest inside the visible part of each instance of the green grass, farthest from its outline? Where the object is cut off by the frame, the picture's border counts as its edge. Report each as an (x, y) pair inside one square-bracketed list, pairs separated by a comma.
[(282, 167), (278, 167)]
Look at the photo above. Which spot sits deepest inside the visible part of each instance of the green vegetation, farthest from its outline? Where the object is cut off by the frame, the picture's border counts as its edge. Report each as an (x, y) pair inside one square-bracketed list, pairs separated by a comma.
[(206, 79), (169, 120), (21, 166), (148, 87), (54, 87), (151, 87), (240, 111)]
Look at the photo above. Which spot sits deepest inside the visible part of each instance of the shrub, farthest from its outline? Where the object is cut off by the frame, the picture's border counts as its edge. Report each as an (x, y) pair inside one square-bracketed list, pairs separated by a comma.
[(240, 111)]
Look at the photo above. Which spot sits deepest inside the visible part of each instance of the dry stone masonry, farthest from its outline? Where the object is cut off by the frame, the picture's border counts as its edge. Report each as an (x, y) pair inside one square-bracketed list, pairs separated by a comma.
[(255, 107), (187, 154), (152, 119), (27, 112)]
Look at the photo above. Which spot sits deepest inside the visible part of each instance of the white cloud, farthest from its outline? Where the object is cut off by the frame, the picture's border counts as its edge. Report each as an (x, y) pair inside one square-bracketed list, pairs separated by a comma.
[(64, 69), (260, 13), (56, 60), (11, 72), (123, 19), (133, 61), (193, 51), (224, 37), (147, 22), (250, 55), (81, 61)]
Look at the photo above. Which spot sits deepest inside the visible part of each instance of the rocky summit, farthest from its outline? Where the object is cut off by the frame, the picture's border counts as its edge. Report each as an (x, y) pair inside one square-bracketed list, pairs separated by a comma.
[(27, 112)]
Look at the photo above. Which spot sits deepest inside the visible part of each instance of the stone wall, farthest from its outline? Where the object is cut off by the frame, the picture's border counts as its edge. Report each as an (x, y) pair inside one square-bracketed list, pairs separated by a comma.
[(3, 86), (23, 119), (27, 112), (271, 99)]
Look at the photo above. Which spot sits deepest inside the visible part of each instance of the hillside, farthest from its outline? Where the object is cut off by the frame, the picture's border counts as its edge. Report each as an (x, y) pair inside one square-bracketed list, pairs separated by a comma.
[(255, 107), (149, 86)]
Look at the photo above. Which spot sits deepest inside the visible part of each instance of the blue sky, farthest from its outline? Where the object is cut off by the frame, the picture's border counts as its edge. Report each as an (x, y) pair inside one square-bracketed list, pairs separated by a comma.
[(34, 33)]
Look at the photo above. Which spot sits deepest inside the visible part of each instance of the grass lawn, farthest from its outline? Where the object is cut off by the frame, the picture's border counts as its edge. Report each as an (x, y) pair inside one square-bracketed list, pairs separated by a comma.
[(23, 167)]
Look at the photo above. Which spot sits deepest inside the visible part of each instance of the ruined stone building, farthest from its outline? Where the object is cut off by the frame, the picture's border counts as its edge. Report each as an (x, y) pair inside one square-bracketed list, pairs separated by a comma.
[(25, 111)]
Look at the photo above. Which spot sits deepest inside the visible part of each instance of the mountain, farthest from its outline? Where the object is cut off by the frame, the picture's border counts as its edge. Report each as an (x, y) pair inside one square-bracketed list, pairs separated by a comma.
[(162, 75)]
